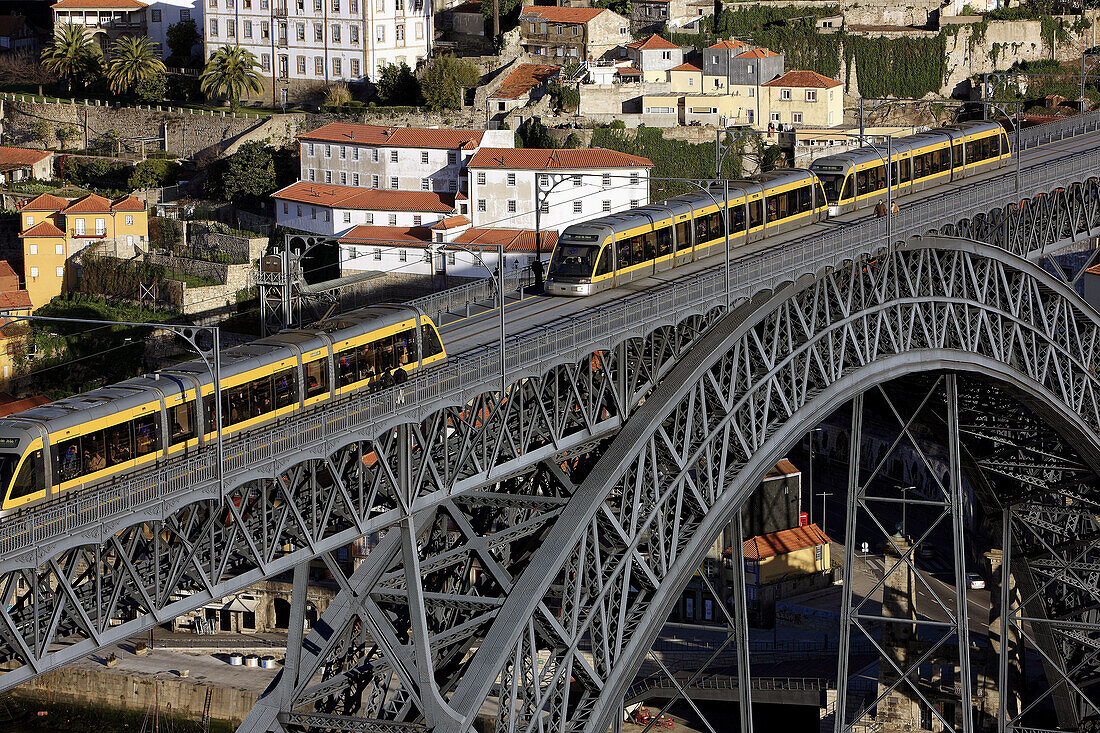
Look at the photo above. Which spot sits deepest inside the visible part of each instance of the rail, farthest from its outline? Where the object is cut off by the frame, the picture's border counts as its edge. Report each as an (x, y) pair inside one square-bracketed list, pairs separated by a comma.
[(729, 682), (196, 475), (460, 299)]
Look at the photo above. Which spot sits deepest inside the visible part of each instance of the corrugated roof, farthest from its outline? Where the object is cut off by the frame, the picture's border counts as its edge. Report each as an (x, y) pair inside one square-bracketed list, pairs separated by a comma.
[(653, 43), (523, 79), (555, 14), (730, 44), (514, 240), (756, 53), (784, 541), (395, 137), (415, 236), (43, 229), (22, 156), (687, 66), (45, 202), (369, 199), (810, 79), (100, 5), (540, 159), (90, 204), (128, 203)]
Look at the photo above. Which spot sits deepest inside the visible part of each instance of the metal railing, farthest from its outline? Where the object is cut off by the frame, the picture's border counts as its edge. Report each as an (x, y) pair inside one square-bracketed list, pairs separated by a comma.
[(460, 299), (569, 337), (729, 682)]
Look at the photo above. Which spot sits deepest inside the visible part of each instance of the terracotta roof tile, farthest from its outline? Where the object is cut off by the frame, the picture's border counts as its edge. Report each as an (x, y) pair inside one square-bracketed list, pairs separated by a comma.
[(45, 202), (783, 468), (451, 222), (556, 14), (368, 199), (21, 157), (15, 300), (128, 203), (6, 270), (523, 79), (100, 4), (395, 137), (784, 541), (43, 229), (810, 79), (653, 43), (387, 235), (514, 240), (757, 53), (628, 71), (539, 159), (687, 66), (732, 45), (90, 204), (10, 405)]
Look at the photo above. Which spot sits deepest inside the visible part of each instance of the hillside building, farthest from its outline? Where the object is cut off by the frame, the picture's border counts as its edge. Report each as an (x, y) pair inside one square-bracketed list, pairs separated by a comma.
[(107, 20), (567, 35)]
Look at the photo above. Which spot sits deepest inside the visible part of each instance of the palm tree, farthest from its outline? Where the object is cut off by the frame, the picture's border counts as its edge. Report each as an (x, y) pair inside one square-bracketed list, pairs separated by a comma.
[(230, 72), (72, 55), (133, 60)]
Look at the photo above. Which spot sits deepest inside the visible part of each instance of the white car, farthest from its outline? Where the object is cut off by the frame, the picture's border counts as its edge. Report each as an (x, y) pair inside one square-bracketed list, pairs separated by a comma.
[(974, 582)]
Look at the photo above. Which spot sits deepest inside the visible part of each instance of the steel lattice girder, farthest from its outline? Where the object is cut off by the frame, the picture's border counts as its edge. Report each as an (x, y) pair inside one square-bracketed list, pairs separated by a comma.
[(639, 524), (152, 572)]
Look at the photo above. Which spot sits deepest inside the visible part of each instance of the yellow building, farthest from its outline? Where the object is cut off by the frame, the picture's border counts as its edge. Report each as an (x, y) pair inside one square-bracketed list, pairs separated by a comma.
[(55, 230), (803, 99), (13, 335), (784, 555)]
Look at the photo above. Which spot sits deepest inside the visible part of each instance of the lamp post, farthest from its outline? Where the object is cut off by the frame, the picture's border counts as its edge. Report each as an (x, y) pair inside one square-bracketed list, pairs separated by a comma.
[(499, 276), (720, 150), (887, 161), (1089, 63), (904, 500), (810, 474), (545, 183), (824, 494)]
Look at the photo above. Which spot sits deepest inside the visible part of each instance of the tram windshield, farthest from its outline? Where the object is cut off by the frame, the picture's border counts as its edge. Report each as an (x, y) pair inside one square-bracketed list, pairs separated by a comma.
[(832, 184), (573, 260)]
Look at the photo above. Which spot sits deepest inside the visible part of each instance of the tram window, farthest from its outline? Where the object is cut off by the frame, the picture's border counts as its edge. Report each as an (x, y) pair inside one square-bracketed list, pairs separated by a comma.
[(622, 252), (316, 378), (345, 368), (602, 268), (755, 213), (781, 203), (637, 249), (181, 422), (235, 407), (893, 173), (208, 414), (683, 235), (286, 387), (120, 444), (385, 354), (943, 157), (261, 396), (805, 199), (878, 178), (904, 169), (95, 453), (364, 359), (145, 434), (431, 339), (31, 478), (918, 166), (773, 210), (701, 230), (737, 218), (67, 460), (649, 245), (956, 155), (404, 347), (862, 183), (664, 241)]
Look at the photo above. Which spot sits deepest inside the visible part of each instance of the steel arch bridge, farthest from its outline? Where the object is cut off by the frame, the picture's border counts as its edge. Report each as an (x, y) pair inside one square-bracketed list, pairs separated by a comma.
[(474, 494)]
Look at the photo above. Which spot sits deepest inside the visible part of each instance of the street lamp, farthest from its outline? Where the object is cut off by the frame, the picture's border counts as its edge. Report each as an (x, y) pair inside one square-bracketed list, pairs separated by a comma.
[(499, 275), (1089, 63), (904, 500), (886, 156), (810, 474), (823, 495)]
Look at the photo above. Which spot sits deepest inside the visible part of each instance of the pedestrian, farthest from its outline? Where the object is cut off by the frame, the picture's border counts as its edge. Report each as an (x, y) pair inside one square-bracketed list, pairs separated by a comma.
[(880, 209), (536, 269), (894, 207)]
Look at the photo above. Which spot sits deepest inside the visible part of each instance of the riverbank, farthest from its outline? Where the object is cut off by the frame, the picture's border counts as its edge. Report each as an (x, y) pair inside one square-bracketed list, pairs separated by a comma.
[(26, 714)]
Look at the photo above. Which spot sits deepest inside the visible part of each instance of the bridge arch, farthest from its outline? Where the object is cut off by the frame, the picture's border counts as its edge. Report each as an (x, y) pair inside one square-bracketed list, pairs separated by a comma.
[(752, 386)]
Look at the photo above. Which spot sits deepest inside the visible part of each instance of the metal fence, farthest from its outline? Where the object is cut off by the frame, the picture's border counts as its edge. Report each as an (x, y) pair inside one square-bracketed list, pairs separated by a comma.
[(196, 476), (459, 300)]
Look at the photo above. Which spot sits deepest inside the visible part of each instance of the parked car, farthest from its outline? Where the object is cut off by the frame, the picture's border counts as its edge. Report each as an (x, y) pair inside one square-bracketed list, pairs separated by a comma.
[(974, 581)]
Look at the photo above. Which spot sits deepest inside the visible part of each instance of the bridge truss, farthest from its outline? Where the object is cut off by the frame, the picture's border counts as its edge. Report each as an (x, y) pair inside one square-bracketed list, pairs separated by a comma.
[(531, 543)]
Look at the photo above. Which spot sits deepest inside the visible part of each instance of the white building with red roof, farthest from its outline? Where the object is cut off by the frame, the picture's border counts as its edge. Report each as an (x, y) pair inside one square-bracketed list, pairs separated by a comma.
[(321, 208), (573, 185), (17, 164), (393, 158), (654, 57)]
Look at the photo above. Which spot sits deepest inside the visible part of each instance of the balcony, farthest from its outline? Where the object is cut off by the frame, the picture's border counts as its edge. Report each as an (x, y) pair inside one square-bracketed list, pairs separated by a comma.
[(281, 42), (86, 234)]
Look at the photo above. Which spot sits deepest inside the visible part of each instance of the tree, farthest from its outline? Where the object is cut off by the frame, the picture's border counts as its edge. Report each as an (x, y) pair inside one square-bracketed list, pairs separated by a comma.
[(231, 72), (337, 95), (164, 233), (72, 55), (248, 175), (444, 79), (535, 135), (24, 67), (572, 142), (509, 13), (133, 60), (64, 134), (182, 38), (397, 85), (39, 132), (152, 90), (153, 173)]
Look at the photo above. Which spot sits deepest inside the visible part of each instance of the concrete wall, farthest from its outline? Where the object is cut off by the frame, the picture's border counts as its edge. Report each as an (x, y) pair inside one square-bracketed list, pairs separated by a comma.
[(617, 98), (139, 694), (902, 13), (243, 249)]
